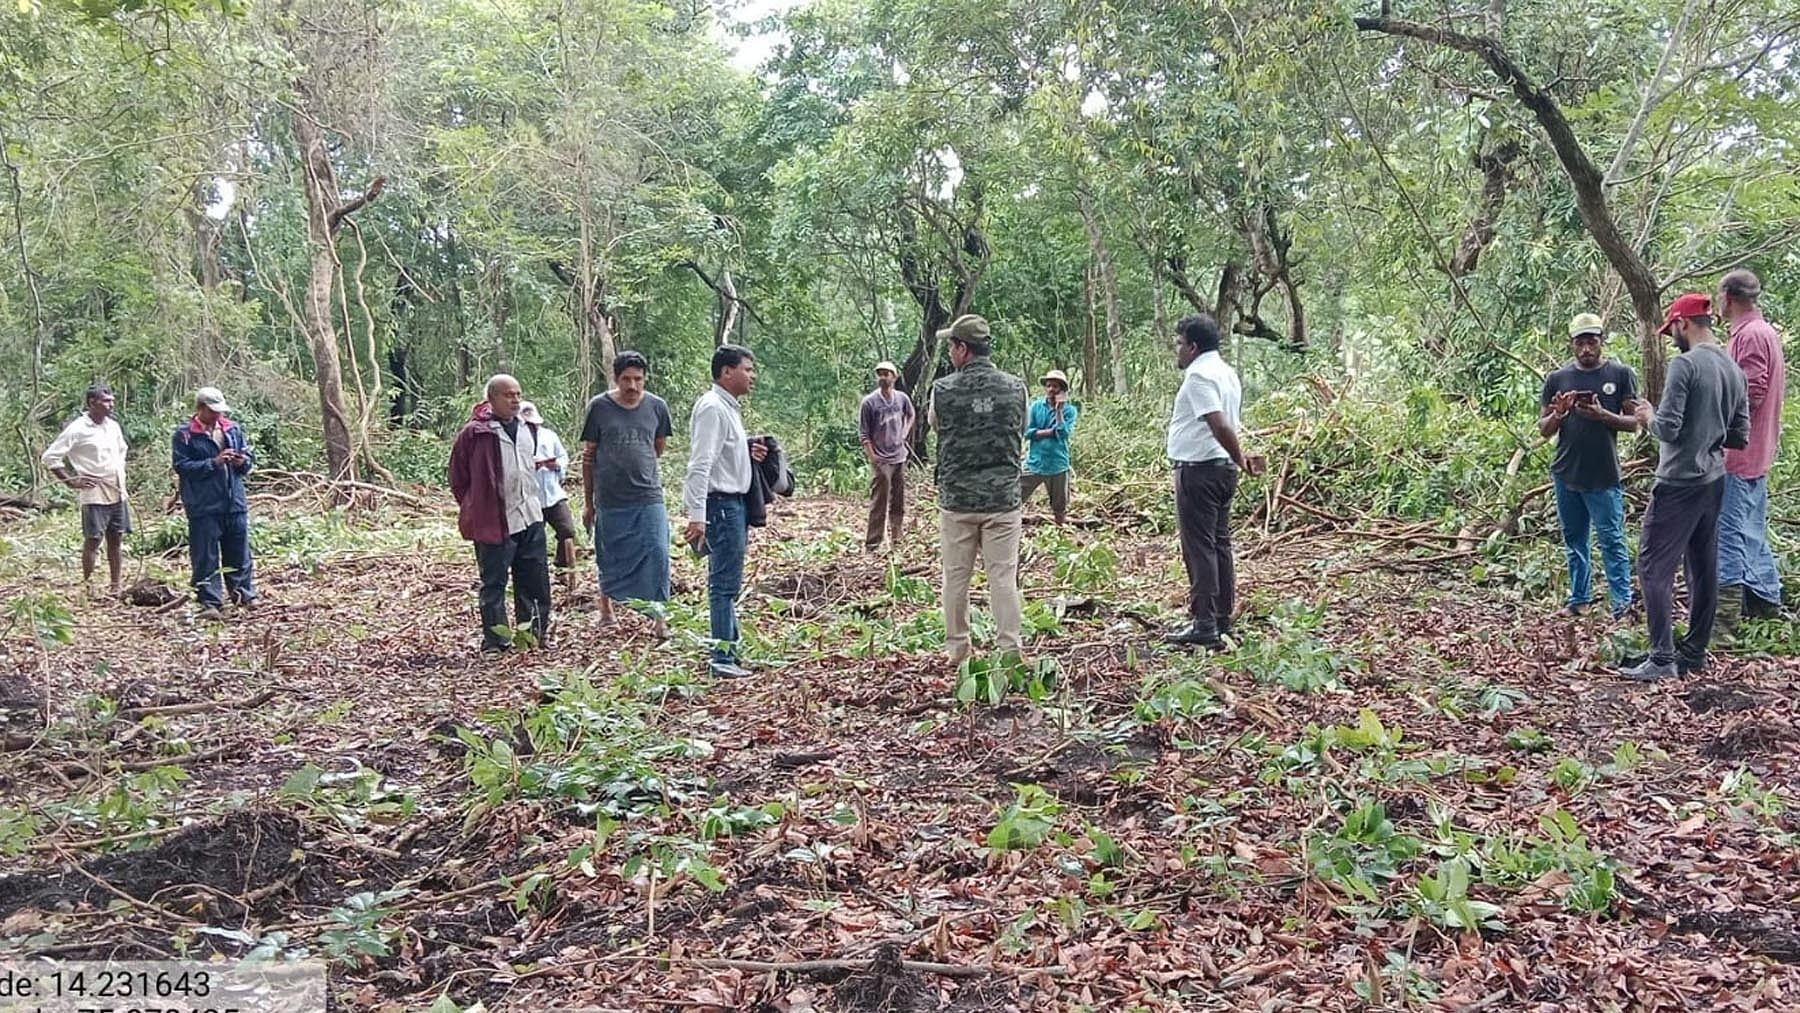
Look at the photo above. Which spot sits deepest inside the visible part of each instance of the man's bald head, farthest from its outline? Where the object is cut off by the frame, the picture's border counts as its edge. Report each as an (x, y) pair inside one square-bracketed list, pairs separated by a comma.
[(1738, 292), (1741, 285), (504, 396)]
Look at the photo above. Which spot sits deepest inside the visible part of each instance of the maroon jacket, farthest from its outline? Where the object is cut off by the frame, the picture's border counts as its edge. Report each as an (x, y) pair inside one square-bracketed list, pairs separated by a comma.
[(475, 478)]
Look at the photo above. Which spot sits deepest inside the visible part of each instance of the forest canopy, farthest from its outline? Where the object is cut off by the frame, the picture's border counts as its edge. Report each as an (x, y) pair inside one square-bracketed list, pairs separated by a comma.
[(353, 213)]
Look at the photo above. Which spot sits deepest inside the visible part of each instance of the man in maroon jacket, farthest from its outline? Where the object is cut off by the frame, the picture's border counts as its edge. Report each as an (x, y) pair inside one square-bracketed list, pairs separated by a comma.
[(493, 475)]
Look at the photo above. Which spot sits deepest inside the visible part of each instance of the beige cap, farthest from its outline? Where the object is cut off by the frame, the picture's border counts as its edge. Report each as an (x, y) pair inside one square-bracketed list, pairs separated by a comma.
[(886, 366), (1057, 375), (214, 398)]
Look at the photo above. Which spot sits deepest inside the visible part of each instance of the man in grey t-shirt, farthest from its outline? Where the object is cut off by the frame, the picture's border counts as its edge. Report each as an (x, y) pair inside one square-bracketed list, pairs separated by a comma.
[(885, 425), (1704, 409), (625, 432)]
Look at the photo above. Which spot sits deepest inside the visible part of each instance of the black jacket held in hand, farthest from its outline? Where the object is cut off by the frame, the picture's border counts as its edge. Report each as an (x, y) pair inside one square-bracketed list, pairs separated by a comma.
[(769, 477)]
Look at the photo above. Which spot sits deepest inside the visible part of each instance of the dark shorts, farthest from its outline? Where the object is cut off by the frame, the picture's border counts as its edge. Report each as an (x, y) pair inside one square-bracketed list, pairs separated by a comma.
[(99, 518), (561, 520)]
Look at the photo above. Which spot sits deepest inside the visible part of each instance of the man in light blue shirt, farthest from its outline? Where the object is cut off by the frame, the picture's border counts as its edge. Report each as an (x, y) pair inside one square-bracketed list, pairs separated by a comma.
[(1048, 426)]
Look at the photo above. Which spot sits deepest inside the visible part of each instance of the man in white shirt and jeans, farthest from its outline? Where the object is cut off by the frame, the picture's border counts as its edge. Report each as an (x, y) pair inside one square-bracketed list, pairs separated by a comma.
[(1203, 444), (89, 457), (718, 477)]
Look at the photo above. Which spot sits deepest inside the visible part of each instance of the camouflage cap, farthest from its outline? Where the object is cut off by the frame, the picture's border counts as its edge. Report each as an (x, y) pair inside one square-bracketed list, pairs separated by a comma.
[(967, 328)]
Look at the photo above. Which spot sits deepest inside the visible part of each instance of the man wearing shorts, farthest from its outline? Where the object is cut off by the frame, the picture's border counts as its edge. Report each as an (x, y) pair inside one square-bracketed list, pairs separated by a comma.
[(89, 457)]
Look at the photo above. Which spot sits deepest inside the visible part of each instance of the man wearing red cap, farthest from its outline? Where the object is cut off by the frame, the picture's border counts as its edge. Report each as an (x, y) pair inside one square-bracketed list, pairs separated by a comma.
[(1704, 409), (1749, 583)]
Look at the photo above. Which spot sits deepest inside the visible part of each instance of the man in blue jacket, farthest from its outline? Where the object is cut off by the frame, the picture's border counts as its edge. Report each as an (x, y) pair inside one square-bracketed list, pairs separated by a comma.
[(1047, 431), (211, 457)]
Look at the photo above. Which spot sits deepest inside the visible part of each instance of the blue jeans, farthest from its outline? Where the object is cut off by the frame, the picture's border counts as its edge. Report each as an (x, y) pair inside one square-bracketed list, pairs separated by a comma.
[(727, 536), (221, 538), (1744, 555), (1602, 510)]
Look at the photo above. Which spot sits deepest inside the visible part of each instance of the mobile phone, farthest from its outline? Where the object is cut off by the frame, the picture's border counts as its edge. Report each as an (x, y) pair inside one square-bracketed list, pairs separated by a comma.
[(1585, 397)]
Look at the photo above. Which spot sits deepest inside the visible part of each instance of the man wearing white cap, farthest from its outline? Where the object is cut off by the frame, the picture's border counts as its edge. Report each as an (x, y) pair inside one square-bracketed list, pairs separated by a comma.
[(552, 466), (886, 425), (1583, 406), (211, 457), (1048, 429)]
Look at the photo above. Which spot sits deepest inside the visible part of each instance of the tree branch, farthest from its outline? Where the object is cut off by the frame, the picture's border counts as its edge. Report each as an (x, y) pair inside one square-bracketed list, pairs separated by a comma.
[(345, 210), (721, 293)]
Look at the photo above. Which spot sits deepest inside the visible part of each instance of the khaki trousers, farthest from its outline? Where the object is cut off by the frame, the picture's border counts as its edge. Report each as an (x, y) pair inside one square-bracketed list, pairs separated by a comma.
[(887, 503), (995, 537)]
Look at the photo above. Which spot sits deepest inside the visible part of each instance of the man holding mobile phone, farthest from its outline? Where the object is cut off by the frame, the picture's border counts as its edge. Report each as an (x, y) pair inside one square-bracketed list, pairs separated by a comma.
[(211, 457), (1584, 406)]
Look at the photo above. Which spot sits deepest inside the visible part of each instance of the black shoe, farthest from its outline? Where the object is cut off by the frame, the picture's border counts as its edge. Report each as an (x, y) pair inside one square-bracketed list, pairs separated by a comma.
[(1758, 607), (1196, 636)]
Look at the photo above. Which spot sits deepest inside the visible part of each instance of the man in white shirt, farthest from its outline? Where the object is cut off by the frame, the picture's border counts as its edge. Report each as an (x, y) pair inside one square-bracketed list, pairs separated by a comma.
[(89, 457), (718, 477), (552, 467), (1203, 444)]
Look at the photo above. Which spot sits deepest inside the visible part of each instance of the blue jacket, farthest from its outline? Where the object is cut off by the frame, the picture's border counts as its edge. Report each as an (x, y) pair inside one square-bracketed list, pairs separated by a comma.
[(206, 487), (1049, 455)]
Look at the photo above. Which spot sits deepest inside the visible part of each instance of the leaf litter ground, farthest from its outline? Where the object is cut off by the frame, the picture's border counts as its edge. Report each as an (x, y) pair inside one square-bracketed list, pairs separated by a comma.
[(598, 825)]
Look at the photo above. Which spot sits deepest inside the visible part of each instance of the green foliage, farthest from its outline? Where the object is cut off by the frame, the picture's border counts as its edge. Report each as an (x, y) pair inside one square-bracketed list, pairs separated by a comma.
[(1027, 822), (1364, 853), (46, 614), (357, 926), (990, 677), (1293, 653), (596, 749)]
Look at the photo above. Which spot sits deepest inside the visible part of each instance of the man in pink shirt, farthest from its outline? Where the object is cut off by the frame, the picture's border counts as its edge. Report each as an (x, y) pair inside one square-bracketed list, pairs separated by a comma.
[(1748, 580)]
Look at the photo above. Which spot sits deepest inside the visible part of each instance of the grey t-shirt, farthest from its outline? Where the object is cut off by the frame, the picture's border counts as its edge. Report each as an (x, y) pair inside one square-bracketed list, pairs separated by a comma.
[(1705, 408), (625, 471)]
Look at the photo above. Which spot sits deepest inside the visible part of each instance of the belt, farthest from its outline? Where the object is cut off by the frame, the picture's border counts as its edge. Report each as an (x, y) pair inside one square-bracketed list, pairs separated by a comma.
[(1214, 462), (727, 495)]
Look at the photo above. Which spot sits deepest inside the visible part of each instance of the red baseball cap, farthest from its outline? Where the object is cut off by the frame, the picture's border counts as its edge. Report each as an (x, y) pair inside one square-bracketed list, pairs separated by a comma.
[(1694, 304)]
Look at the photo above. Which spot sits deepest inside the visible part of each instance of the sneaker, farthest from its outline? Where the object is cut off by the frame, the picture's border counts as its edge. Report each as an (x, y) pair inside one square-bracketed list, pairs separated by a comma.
[(1650, 671), (1194, 636), (728, 670), (210, 614), (1572, 610)]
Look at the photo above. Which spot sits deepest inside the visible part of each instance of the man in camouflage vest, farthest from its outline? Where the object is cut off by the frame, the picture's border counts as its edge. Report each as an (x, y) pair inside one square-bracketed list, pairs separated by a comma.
[(979, 413)]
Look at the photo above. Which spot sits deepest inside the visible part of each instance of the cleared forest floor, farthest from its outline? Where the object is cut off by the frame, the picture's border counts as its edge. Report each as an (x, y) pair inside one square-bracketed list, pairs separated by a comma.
[(1401, 791)]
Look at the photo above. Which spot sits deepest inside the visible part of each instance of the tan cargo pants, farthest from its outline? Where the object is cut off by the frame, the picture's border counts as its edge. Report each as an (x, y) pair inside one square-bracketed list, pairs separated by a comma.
[(995, 537)]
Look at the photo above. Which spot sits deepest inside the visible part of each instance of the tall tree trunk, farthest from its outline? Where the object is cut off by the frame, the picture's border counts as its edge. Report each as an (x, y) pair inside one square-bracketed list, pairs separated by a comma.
[(1106, 277), (1090, 344), (325, 213)]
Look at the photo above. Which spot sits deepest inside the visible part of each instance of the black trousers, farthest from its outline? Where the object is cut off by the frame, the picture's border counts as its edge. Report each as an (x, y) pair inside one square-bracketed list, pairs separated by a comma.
[(1203, 510), (1681, 527), (522, 557)]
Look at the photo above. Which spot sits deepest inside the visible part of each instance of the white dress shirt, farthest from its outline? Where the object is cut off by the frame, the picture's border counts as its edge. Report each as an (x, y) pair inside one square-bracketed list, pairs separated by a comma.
[(93, 450), (550, 445), (718, 451), (1208, 385)]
